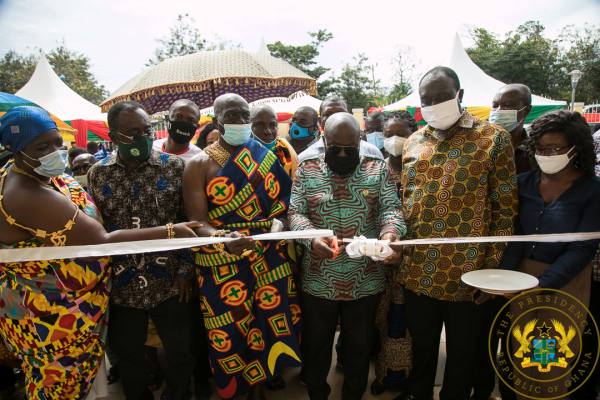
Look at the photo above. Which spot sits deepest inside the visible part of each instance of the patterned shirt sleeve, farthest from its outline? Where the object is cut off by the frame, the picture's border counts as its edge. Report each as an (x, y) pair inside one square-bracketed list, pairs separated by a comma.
[(503, 196), (596, 137), (298, 210), (390, 207), (93, 184)]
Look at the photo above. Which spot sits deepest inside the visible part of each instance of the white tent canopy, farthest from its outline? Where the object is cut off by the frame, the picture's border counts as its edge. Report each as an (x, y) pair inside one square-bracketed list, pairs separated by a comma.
[(290, 104), (282, 104), (47, 90), (479, 87)]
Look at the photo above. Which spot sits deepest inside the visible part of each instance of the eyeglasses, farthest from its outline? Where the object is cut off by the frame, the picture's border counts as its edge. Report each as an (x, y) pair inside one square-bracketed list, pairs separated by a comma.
[(130, 139), (497, 108), (550, 151), (337, 149)]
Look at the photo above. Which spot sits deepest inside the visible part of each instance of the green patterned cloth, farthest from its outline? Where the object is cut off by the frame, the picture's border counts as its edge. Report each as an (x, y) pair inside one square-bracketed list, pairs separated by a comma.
[(365, 203)]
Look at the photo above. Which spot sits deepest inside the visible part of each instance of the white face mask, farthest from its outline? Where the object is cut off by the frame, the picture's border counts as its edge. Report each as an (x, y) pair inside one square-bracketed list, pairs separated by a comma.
[(51, 165), (443, 115), (507, 119), (237, 134), (554, 164), (393, 145)]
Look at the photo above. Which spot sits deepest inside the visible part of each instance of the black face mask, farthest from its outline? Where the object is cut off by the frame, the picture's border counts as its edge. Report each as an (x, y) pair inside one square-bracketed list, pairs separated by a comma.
[(342, 165), (181, 131)]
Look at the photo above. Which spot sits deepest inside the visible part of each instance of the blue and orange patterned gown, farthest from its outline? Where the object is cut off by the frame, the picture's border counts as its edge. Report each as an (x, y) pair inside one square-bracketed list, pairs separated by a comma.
[(250, 304), (52, 314)]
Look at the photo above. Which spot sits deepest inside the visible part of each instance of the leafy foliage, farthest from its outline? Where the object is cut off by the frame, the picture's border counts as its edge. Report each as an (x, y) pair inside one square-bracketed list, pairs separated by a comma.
[(527, 56), (304, 56), (184, 38), (72, 67)]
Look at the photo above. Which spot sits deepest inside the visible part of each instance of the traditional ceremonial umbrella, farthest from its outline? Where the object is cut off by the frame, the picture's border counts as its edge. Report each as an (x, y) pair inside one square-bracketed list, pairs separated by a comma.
[(8, 101), (203, 76)]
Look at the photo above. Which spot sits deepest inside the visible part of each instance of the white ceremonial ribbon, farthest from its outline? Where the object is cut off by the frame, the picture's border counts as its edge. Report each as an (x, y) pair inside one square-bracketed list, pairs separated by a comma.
[(142, 246), (145, 246), (547, 238), (377, 250)]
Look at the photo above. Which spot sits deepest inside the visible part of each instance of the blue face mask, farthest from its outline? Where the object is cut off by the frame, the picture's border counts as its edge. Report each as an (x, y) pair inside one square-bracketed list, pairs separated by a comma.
[(270, 145), (237, 134), (376, 139), (507, 119), (299, 132), (51, 165)]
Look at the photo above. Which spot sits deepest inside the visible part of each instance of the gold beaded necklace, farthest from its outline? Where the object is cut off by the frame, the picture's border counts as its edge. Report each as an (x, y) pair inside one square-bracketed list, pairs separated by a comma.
[(218, 153), (25, 173), (57, 238)]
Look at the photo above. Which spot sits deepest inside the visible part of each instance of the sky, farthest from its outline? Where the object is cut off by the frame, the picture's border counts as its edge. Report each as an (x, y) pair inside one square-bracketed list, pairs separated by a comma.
[(120, 36)]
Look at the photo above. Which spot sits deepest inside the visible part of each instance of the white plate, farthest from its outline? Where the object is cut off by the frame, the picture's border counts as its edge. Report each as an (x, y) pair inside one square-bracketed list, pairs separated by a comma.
[(499, 281)]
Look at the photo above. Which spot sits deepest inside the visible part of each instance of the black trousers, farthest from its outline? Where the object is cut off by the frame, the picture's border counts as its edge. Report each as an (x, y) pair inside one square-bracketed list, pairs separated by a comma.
[(425, 317), (484, 375), (320, 321), (127, 330), (199, 344)]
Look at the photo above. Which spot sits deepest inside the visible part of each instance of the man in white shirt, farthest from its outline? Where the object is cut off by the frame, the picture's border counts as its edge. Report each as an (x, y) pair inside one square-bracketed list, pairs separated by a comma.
[(182, 122), (329, 106)]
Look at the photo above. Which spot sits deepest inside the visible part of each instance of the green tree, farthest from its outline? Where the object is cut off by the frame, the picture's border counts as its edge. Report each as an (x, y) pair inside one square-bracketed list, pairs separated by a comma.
[(403, 64), (356, 84), (581, 51), (15, 71), (184, 38), (525, 56), (72, 67), (304, 56)]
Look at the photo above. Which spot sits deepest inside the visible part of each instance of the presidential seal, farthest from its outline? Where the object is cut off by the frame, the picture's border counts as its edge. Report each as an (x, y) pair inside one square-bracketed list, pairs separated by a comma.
[(544, 344)]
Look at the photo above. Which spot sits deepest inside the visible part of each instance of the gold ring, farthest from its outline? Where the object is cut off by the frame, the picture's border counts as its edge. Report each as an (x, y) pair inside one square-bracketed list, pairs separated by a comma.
[(247, 252)]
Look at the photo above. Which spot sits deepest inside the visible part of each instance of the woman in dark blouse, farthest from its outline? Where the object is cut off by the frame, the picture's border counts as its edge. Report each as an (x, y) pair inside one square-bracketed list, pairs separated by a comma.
[(560, 195)]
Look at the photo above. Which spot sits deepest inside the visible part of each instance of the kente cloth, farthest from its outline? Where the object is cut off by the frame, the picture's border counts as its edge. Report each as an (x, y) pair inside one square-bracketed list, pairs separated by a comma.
[(287, 156), (289, 161), (52, 314), (250, 304)]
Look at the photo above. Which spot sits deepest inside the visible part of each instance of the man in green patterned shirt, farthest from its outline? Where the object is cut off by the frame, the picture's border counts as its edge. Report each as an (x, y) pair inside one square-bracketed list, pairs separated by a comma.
[(351, 195), (458, 176)]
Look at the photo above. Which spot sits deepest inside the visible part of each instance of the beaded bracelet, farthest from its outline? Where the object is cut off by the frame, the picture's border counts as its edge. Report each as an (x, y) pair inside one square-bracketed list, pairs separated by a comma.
[(170, 230)]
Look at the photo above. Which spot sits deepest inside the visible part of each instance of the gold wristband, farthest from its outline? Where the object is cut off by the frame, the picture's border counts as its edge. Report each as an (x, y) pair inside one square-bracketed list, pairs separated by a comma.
[(220, 247), (170, 230), (220, 233)]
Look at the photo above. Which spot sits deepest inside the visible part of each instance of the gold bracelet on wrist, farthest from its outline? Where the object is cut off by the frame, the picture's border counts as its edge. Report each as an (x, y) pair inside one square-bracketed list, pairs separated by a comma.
[(220, 247), (220, 233), (170, 230)]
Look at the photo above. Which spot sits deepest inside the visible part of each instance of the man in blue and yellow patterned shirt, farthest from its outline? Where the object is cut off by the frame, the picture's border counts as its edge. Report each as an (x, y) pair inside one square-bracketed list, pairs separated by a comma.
[(351, 195)]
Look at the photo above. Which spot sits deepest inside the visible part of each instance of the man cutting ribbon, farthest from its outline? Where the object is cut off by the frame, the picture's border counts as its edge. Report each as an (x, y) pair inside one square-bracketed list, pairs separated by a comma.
[(352, 195)]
